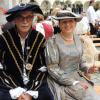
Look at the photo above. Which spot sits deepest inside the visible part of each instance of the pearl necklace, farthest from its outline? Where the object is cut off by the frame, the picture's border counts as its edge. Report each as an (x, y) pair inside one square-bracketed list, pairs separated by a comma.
[(66, 39)]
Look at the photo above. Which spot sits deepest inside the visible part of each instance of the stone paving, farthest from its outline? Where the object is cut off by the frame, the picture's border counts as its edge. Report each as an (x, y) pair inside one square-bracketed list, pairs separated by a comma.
[(96, 78)]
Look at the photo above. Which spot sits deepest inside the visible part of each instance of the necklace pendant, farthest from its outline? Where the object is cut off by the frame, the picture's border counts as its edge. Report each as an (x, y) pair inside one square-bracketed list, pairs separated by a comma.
[(28, 66)]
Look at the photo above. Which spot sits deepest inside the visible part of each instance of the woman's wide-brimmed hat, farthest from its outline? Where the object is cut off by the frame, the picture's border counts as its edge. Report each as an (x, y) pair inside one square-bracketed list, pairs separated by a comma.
[(64, 14), (12, 13)]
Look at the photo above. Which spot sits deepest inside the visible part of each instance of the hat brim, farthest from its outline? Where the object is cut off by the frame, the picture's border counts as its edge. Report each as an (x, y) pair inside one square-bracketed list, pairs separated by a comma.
[(64, 14), (13, 12), (77, 19)]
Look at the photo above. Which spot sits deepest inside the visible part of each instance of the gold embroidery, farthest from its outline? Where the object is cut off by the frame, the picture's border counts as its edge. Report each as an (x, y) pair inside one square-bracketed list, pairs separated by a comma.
[(37, 76), (12, 54), (36, 55), (21, 56), (5, 83), (36, 79), (18, 50), (10, 79), (40, 82)]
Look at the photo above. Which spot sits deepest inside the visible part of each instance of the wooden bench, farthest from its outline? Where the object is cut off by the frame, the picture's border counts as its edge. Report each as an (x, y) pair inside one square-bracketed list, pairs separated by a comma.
[(92, 36), (97, 44), (95, 39)]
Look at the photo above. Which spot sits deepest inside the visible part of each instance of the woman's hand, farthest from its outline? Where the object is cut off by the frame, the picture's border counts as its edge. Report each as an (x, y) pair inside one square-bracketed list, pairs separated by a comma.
[(25, 96), (93, 69), (83, 85)]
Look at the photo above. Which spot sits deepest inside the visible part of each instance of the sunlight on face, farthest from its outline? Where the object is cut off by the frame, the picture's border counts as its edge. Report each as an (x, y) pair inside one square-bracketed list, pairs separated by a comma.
[(24, 21), (67, 25)]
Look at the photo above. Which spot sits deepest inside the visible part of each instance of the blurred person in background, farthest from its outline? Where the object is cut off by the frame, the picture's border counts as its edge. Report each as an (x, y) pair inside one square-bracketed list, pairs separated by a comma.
[(91, 15)]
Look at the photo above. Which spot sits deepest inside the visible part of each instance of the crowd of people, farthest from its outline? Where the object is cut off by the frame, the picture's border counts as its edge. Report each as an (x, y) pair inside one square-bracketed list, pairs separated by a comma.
[(44, 59)]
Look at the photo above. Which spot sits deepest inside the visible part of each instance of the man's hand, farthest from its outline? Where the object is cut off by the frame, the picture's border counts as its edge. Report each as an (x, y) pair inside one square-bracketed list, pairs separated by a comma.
[(25, 96)]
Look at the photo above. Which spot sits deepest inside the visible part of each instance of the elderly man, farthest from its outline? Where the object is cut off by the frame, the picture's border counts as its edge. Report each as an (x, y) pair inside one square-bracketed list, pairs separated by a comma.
[(22, 64)]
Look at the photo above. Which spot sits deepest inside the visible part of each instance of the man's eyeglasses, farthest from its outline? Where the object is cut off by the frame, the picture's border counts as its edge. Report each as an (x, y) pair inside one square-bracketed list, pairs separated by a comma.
[(27, 18)]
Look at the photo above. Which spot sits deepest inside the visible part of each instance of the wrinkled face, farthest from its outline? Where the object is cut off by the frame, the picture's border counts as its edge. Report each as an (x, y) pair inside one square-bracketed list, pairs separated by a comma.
[(24, 21), (67, 25)]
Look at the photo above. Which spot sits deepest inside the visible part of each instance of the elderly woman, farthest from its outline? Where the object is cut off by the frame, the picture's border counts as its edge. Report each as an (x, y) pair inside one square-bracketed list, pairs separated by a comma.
[(65, 62)]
